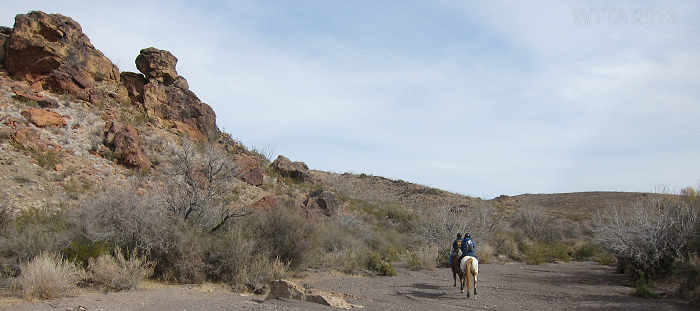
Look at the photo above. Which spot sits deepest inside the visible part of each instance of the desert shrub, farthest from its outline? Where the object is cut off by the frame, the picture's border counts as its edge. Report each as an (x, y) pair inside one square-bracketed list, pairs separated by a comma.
[(123, 217), (346, 261), (535, 222), (257, 273), (234, 257), (485, 253), (438, 227), (48, 159), (507, 244), (691, 265), (423, 259), (649, 234), (377, 264), (199, 190), (81, 252), (643, 287), (33, 231), (541, 252), (283, 233), (7, 211), (116, 273), (606, 258), (47, 276), (586, 252)]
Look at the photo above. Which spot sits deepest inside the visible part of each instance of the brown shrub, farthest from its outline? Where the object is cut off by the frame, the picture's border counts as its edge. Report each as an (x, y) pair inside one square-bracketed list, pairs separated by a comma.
[(47, 276), (116, 273)]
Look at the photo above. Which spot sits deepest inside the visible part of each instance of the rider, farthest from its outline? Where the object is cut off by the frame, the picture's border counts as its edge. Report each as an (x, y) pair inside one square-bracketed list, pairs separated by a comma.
[(455, 247), (468, 247)]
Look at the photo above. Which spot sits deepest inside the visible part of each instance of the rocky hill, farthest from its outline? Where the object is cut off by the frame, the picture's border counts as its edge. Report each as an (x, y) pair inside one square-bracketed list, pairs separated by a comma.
[(72, 123)]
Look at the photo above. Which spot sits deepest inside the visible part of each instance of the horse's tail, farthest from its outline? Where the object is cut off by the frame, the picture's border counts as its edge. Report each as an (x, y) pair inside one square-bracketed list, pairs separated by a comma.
[(474, 266)]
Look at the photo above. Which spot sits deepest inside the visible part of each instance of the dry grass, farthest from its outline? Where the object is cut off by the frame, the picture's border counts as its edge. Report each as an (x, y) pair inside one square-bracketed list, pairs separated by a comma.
[(116, 273), (345, 261), (423, 259), (485, 252), (47, 276)]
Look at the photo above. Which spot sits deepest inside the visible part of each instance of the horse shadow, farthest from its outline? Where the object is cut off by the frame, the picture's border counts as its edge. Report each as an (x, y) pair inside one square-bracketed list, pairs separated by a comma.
[(423, 291)]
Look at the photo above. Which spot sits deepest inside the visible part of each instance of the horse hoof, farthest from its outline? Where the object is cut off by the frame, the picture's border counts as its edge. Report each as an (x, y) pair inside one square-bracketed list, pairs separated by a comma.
[(468, 295)]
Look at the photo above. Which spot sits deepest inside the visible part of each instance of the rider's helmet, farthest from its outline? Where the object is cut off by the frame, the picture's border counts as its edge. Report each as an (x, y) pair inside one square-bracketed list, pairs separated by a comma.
[(466, 236), (459, 235)]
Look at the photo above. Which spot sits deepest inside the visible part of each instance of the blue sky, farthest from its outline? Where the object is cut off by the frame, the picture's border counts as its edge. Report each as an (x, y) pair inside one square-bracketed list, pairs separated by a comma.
[(481, 99)]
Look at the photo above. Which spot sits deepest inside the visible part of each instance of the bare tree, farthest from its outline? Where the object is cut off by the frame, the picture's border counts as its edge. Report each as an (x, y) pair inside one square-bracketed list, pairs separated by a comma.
[(199, 190), (438, 227), (651, 233)]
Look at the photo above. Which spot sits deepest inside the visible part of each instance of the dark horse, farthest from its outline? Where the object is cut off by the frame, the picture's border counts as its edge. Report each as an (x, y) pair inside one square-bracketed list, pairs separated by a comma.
[(471, 269)]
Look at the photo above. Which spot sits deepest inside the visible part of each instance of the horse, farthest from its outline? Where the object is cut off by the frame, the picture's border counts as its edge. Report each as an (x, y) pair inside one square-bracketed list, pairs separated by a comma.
[(470, 268), (455, 268)]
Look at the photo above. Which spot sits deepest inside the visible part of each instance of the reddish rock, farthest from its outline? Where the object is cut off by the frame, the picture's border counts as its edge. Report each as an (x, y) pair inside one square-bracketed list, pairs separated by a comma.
[(127, 147), (157, 64), (250, 171), (287, 168), (53, 51), (28, 139), (43, 118), (4, 34), (265, 203), (133, 83)]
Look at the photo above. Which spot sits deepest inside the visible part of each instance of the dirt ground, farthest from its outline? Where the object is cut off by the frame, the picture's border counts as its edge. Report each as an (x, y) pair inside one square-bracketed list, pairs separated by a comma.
[(516, 286)]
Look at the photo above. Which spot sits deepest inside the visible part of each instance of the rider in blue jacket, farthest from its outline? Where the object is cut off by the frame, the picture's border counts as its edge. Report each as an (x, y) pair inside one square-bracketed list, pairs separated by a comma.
[(468, 247)]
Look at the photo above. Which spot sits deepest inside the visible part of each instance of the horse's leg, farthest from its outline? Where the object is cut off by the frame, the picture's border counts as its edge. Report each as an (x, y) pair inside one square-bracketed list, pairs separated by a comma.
[(475, 284), (468, 276), (454, 276)]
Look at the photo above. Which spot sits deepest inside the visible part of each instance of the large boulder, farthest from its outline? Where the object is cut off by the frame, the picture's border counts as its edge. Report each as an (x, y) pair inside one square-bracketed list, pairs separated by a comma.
[(296, 170), (290, 290), (53, 51), (44, 118), (126, 145), (322, 201), (250, 171), (157, 64)]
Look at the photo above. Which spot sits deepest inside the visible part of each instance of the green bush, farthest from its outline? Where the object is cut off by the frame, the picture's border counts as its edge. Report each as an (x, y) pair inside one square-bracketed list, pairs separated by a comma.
[(586, 252), (541, 252), (375, 263), (643, 288)]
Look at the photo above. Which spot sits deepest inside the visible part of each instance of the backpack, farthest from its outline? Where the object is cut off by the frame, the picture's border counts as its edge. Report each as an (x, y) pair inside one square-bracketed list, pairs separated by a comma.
[(470, 246)]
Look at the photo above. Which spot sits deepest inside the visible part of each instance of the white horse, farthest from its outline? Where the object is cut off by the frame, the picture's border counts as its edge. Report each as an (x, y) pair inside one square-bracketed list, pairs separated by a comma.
[(470, 267)]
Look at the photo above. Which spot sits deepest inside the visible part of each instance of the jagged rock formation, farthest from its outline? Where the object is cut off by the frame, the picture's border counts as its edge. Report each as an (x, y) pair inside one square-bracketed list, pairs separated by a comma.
[(287, 168), (164, 94), (52, 53), (127, 146)]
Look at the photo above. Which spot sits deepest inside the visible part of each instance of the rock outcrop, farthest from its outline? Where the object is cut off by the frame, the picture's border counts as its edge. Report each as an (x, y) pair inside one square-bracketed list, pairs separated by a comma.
[(250, 171), (126, 145), (161, 92), (52, 52), (296, 170), (290, 290), (322, 201)]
